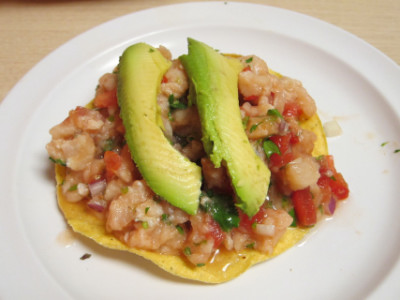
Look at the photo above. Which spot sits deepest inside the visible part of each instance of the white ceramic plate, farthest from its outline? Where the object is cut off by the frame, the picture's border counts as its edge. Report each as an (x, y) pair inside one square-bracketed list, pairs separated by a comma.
[(352, 256)]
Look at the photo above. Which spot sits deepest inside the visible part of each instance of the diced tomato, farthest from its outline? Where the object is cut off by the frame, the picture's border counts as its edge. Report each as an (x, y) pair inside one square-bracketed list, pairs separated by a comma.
[(279, 161), (164, 79), (251, 98), (339, 187), (246, 223), (215, 233), (106, 99), (282, 141), (246, 69), (304, 207), (323, 184), (292, 109), (113, 162), (335, 180), (327, 165)]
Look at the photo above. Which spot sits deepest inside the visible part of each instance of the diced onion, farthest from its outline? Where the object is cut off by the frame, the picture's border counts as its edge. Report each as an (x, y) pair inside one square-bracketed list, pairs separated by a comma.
[(97, 187), (97, 204), (332, 205), (332, 128), (264, 229)]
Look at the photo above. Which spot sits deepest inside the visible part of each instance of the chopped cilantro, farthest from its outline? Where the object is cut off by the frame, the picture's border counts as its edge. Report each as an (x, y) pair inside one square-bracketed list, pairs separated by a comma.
[(73, 188), (175, 103), (109, 145), (85, 256), (223, 210), (58, 161), (254, 127), (245, 121), (145, 225), (396, 151), (187, 251), (146, 209), (249, 60), (384, 144), (274, 113), (251, 245), (180, 229), (270, 148), (292, 213), (200, 265), (124, 190)]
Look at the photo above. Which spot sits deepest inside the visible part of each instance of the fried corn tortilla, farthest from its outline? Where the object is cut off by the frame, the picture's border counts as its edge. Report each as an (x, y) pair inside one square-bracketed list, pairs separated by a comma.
[(225, 266)]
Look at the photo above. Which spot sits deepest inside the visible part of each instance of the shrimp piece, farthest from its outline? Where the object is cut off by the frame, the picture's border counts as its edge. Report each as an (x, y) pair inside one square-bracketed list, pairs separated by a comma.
[(271, 229), (301, 173), (122, 209), (175, 80), (77, 153), (108, 82), (87, 120), (216, 178), (254, 78), (199, 244)]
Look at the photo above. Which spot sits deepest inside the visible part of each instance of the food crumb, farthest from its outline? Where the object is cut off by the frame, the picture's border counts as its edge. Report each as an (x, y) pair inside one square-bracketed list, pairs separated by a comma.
[(85, 256)]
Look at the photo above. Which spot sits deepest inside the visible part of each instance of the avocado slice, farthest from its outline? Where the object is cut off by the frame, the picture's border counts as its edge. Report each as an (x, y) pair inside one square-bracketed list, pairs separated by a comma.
[(168, 173), (214, 89)]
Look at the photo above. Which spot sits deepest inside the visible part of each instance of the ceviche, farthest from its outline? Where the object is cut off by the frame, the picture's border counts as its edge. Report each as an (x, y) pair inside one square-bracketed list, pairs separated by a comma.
[(204, 164)]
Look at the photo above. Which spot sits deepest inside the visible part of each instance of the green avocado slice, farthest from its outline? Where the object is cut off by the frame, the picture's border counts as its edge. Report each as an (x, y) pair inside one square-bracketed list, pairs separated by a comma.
[(168, 173), (214, 87)]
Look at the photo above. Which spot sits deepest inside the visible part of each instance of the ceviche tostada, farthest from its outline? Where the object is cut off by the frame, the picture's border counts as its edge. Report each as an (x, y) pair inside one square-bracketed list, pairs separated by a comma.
[(205, 164)]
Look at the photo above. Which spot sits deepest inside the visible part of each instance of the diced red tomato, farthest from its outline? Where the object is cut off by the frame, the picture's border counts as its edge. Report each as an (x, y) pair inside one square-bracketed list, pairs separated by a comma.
[(335, 180), (246, 223), (245, 69), (282, 141), (327, 165), (216, 233), (164, 79), (292, 109), (251, 98), (106, 99), (339, 187), (113, 162), (279, 161), (304, 207)]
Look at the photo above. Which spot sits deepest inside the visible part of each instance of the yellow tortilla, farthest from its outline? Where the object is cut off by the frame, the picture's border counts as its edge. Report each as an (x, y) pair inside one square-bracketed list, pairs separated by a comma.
[(226, 265)]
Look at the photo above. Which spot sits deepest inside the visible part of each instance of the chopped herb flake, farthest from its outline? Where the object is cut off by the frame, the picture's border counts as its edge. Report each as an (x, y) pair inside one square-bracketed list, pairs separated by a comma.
[(249, 60), (274, 113), (73, 188), (200, 265), (254, 127), (180, 229), (124, 190), (384, 144), (251, 245), (85, 256), (58, 161), (187, 251), (223, 210), (146, 210), (145, 225), (175, 103), (396, 151), (270, 148), (292, 213), (109, 145), (245, 121)]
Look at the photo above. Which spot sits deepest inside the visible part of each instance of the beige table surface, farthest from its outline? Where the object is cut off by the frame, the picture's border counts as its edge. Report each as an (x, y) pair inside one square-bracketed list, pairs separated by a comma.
[(29, 30)]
